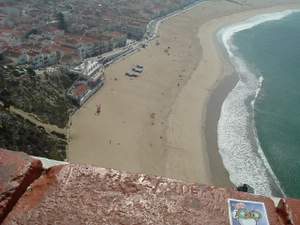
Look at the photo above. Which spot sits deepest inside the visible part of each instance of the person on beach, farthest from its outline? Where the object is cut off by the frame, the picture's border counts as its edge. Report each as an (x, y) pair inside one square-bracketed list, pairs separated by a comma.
[(98, 111)]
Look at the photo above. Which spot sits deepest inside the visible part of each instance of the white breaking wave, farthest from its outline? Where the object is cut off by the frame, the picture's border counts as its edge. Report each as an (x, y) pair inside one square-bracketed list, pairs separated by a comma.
[(237, 140)]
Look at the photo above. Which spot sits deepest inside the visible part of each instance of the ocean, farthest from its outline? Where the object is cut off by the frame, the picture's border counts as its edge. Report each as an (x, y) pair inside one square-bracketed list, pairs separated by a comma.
[(259, 125)]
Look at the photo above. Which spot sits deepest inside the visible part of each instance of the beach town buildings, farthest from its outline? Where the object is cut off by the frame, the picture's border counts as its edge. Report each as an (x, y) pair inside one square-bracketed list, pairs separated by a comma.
[(41, 29), (87, 46), (72, 31), (38, 59), (54, 47), (68, 32), (91, 78)]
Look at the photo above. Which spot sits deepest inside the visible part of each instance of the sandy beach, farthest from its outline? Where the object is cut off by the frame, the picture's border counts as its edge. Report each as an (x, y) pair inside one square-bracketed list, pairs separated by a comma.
[(164, 122)]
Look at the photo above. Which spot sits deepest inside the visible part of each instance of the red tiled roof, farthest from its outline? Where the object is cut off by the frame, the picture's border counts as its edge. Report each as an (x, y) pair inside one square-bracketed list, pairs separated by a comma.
[(32, 52), (116, 34), (66, 50), (53, 29), (2, 5), (80, 90), (6, 30)]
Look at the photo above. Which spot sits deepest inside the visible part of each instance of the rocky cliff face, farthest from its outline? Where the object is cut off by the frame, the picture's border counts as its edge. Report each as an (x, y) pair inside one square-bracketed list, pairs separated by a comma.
[(40, 94), (82, 194), (19, 134)]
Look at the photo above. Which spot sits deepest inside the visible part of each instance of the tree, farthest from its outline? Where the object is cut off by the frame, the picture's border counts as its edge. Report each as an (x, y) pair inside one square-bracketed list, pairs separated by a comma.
[(31, 72), (5, 98), (32, 31), (61, 21)]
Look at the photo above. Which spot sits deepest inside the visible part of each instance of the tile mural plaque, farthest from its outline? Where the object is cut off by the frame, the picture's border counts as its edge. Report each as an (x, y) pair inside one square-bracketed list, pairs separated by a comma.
[(247, 212)]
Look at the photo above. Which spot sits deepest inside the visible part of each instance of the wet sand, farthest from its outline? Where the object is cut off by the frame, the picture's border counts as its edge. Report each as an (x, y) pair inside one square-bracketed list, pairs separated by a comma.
[(164, 122)]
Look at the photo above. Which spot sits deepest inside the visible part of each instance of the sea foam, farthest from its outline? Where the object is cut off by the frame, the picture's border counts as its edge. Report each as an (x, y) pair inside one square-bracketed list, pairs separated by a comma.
[(238, 144)]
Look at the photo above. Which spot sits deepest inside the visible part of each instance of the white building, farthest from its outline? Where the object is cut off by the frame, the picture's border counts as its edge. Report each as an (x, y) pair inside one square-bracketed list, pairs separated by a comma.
[(88, 68), (38, 59)]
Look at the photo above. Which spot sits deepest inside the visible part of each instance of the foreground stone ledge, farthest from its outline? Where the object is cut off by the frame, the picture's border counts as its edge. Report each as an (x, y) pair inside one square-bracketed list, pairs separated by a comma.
[(74, 194), (17, 172)]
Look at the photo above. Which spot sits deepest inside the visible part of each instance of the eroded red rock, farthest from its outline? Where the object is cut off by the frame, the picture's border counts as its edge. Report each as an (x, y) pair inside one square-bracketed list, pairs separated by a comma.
[(289, 209), (74, 194), (17, 172)]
